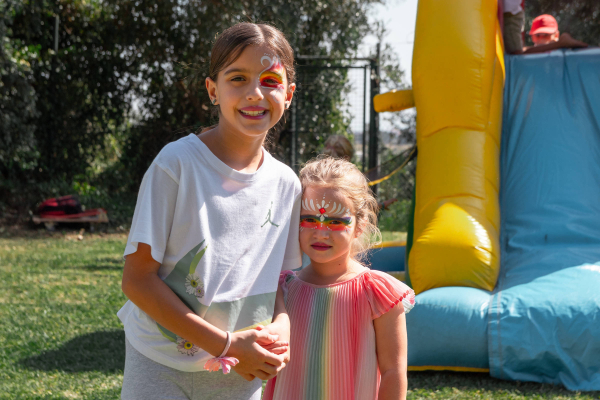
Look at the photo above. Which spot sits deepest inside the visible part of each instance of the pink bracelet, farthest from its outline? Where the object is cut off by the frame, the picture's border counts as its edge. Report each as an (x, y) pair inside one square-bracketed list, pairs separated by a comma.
[(216, 363)]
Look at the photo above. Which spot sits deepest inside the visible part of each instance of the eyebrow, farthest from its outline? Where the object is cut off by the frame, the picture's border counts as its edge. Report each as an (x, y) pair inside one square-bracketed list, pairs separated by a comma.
[(232, 70)]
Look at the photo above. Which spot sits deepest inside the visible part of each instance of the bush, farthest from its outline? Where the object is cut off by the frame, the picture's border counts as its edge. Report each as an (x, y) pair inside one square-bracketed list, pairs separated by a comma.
[(396, 217)]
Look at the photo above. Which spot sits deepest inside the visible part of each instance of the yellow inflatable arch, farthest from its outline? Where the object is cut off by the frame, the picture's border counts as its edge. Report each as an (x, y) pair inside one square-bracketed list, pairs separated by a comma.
[(457, 90)]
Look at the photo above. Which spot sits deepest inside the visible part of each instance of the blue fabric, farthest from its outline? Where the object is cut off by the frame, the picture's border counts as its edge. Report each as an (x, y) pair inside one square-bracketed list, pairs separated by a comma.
[(387, 259), (544, 322), (448, 327)]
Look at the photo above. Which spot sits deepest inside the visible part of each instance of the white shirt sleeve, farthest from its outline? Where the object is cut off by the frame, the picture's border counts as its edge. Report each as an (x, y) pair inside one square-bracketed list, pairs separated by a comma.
[(154, 210), (292, 258), (512, 6)]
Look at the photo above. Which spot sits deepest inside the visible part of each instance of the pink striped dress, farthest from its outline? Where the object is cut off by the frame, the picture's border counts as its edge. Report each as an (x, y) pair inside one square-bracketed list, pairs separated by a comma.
[(332, 336)]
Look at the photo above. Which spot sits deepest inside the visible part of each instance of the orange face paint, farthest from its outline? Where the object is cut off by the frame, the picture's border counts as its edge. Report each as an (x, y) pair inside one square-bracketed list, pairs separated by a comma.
[(325, 224), (272, 76)]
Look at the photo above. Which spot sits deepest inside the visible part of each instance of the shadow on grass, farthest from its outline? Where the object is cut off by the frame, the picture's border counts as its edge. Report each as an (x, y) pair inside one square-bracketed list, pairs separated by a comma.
[(469, 381), (98, 351), (105, 264), (95, 267)]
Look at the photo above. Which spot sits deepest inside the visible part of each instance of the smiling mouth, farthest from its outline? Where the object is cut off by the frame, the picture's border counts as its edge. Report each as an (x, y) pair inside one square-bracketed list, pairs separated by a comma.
[(253, 113)]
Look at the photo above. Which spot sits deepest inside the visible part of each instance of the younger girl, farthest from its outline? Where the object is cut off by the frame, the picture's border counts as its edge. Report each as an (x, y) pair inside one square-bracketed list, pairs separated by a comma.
[(215, 221), (348, 336)]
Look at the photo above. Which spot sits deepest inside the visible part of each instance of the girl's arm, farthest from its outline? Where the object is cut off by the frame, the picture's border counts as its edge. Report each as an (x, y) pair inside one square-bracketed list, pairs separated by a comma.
[(390, 336), (145, 289), (281, 327)]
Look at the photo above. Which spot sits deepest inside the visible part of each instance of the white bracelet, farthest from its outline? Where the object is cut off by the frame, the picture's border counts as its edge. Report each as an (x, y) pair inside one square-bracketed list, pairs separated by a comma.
[(227, 345)]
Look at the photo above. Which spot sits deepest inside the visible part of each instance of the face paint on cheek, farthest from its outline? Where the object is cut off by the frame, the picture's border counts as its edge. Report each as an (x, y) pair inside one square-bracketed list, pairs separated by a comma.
[(340, 224), (272, 76)]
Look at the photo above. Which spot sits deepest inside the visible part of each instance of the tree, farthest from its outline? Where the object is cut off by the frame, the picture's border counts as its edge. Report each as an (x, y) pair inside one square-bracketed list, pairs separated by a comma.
[(17, 100), (128, 77), (178, 105)]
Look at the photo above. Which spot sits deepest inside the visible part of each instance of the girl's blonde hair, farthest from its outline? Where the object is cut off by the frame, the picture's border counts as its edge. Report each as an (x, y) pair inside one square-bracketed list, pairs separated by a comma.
[(342, 175)]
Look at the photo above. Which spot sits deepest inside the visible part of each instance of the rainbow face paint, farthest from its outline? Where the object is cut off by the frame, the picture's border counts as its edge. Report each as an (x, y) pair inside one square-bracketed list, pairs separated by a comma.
[(324, 209), (326, 224), (272, 76), (326, 217)]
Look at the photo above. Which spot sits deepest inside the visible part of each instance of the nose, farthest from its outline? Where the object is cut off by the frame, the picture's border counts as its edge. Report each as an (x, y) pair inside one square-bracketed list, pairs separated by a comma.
[(321, 233), (254, 92)]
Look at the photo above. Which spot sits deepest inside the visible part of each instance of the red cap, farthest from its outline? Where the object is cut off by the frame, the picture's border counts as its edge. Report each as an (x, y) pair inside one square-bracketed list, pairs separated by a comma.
[(543, 24)]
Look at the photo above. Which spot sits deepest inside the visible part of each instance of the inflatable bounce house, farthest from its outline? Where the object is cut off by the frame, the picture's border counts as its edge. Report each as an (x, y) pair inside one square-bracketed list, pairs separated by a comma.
[(504, 251)]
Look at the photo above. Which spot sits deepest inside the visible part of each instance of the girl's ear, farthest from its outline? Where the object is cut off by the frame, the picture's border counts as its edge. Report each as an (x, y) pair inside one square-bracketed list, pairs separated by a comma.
[(359, 230), (290, 93), (211, 88)]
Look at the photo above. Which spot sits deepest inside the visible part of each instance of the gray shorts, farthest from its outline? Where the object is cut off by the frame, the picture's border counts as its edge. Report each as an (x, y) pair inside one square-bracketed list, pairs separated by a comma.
[(148, 380), (513, 28)]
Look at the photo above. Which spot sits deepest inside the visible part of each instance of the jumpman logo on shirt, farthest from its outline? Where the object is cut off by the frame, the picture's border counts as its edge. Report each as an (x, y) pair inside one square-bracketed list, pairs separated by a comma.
[(269, 218)]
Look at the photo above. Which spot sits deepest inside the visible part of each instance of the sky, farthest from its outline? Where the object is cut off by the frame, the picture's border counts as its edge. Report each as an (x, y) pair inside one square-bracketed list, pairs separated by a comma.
[(399, 18)]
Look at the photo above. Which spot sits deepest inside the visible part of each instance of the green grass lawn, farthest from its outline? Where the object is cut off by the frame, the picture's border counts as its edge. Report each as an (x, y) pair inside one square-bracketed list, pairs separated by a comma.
[(60, 337), (391, 236)]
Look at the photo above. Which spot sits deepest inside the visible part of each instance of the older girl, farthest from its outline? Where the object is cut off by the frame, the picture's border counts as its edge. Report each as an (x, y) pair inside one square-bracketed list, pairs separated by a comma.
[(215, 221)]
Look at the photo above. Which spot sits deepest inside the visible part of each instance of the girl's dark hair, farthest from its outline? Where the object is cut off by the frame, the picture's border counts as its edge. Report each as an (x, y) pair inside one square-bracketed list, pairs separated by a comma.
[(231, 43)]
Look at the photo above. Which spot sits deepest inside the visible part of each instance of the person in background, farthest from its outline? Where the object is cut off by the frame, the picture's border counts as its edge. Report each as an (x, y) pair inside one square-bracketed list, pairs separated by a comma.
[(514, 23), (339, 146), (544, 32), (546, 36)]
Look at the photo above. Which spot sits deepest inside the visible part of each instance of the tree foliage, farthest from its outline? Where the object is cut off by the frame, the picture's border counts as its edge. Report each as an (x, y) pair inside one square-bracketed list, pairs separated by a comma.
[(17, 100), (128, 77)]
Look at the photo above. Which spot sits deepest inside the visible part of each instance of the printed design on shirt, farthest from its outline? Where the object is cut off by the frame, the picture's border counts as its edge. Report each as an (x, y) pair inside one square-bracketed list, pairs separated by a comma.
[(193, 284), (188, 286), (235, 316), (186, 347), (268, 219)]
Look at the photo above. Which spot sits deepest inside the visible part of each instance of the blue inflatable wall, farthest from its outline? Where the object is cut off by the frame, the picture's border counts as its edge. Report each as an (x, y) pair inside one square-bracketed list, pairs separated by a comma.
[(542, 321), (544, 318)]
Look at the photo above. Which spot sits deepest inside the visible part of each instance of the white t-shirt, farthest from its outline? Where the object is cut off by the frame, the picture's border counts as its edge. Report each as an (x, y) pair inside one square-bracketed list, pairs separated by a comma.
[(512, 6), (222, 238)]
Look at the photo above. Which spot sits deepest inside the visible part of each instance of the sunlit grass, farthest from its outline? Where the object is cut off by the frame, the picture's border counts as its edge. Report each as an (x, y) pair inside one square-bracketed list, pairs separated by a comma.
[(392, 236), (60, 337)]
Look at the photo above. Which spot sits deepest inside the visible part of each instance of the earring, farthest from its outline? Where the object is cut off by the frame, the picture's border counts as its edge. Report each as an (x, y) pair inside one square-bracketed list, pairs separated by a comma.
[(213, 101), (287, 104)]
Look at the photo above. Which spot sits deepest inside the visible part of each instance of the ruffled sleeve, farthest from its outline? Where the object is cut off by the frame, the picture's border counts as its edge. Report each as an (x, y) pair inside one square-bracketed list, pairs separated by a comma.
[(385, 291), (284, 278)]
